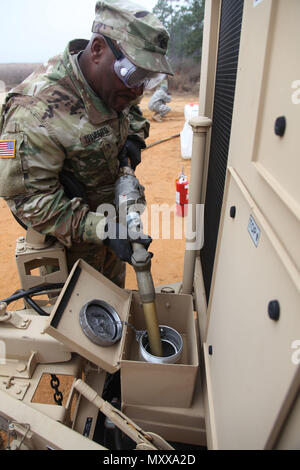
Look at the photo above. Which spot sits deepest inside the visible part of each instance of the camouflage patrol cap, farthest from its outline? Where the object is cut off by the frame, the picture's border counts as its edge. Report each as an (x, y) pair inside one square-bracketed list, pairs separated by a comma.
[(140, 35)]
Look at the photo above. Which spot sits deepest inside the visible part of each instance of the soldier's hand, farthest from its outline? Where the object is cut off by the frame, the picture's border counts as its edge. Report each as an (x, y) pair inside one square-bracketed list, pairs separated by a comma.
[(131, 152), (118, 239)]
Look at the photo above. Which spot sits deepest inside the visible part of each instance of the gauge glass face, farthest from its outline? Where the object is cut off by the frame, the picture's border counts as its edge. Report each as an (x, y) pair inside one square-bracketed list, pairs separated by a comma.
[(100, 323)]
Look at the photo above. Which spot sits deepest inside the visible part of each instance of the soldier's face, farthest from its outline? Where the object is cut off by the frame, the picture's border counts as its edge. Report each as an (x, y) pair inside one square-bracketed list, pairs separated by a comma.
[(106, 83)]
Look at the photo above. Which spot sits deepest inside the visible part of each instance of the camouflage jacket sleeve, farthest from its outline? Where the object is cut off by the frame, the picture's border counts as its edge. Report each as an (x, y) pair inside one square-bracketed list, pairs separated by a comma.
[(167, 98), (139, 126), (30, 183)]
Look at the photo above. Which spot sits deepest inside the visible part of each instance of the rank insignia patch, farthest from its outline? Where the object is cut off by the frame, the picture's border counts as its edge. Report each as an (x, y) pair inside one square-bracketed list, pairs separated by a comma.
[(7, 148)]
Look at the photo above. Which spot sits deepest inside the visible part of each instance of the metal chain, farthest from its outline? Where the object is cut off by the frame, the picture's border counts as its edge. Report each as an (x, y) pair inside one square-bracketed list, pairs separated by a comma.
[(105, 326), (58, 396), (138, 333)]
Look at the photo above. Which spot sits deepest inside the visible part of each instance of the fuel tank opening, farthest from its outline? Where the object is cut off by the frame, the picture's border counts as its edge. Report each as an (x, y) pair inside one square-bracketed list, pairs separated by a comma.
[(172, 345)]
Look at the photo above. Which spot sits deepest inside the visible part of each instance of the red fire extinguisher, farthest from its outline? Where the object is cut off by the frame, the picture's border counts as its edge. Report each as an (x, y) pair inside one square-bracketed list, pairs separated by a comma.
[(182, 194)]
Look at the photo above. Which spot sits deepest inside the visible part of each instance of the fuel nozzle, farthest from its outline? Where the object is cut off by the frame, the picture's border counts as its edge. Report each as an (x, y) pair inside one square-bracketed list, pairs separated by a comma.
[(130, 201)]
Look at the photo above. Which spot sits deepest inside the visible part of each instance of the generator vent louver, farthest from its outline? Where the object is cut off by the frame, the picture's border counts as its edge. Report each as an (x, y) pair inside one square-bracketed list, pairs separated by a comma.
[(227, 62)]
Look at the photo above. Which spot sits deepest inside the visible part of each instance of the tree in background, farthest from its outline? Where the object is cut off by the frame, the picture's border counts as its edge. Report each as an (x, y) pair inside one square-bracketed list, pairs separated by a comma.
[(184, 22)]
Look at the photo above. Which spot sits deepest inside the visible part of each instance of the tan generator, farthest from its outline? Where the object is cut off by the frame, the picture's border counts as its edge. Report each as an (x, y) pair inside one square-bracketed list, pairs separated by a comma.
[(212, 362)]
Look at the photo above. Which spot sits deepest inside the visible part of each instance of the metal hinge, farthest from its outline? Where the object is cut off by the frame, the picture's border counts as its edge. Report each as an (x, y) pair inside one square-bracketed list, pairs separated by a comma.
[(12, 317)]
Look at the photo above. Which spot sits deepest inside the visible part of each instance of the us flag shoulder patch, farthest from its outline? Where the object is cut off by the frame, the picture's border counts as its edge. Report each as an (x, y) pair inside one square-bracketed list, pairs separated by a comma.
[(7, 148)]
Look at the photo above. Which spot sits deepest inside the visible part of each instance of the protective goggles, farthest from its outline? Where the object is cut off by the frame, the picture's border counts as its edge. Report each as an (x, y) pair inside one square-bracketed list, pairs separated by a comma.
[(131, 75)]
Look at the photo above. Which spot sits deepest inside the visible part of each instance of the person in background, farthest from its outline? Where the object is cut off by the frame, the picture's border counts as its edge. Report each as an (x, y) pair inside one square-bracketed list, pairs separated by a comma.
[(157, 103)]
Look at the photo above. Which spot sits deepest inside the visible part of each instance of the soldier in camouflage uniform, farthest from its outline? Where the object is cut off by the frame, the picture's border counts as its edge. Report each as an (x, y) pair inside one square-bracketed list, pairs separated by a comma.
[(157, 103), (70, 121)]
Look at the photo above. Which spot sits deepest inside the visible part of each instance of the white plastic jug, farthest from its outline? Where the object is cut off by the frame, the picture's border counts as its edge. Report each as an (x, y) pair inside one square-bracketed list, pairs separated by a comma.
[(186, 135), (191, 110)]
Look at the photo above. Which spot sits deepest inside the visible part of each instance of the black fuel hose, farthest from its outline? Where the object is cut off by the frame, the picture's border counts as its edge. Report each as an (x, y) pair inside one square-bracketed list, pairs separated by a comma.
[(21, 293), (160, 141)]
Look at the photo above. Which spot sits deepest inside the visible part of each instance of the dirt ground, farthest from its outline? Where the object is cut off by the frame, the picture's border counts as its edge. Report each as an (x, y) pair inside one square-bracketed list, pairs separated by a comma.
[(161, 165)]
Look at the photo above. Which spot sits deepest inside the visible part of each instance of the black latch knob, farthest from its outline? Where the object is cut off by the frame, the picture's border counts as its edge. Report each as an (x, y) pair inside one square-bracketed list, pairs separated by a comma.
[(280, 125), (232, 212), (274, 310)]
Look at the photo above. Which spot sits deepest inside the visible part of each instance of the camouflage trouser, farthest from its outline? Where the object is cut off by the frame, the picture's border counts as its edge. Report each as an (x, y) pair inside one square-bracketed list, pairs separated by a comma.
[(101, 258), (161, 109)]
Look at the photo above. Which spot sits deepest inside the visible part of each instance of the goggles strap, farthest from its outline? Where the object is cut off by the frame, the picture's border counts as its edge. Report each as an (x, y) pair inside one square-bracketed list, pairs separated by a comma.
[(117, 53)]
